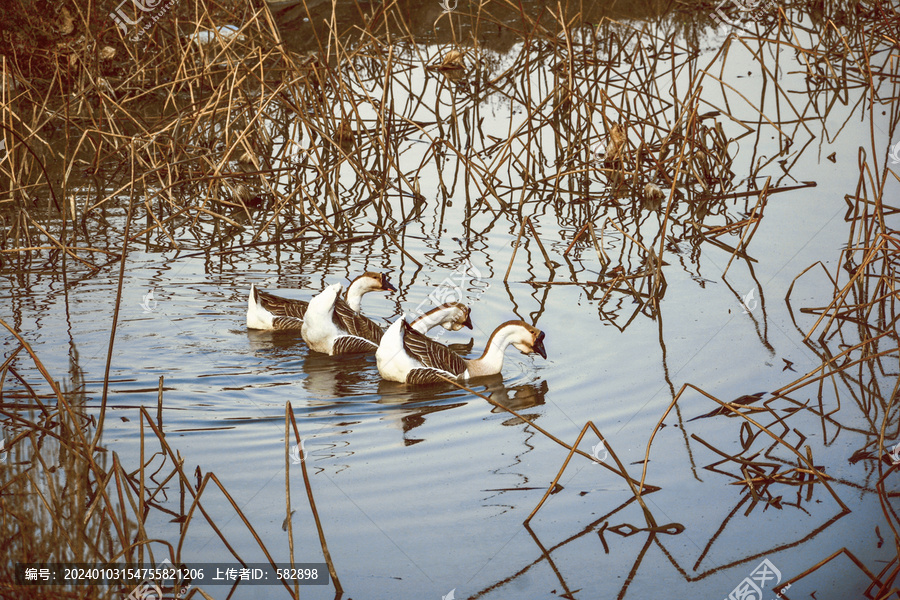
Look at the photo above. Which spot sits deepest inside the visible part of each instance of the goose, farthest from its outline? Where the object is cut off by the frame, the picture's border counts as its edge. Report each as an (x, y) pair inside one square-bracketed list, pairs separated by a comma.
[(407, 356), (330, 326), (452, 316), (268, 311)]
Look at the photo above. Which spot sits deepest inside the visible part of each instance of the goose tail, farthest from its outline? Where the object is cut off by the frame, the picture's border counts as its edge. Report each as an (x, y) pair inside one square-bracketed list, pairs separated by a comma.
[(257, 316)]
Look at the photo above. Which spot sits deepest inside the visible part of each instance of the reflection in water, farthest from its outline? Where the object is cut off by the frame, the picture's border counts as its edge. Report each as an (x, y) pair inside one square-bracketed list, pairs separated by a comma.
[(517, 398), (416, 402), (282, 343), (337, 376)]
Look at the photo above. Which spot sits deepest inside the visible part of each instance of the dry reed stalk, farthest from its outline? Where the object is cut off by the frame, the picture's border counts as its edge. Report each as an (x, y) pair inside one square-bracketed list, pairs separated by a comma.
[(651, 521), (515, 249), (196, 504), (397, 244), (572, 449), (289, 415)]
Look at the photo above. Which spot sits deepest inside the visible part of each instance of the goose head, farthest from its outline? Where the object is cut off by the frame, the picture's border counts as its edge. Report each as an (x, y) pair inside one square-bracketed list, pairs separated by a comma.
[(372, 282), (457, 316), (526, 338)]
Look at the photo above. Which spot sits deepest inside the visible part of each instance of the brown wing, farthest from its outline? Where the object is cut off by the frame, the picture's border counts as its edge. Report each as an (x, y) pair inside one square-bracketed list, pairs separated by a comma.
[(287, 323), (432, 354), (355, 324), (350, 344), (427, 376), (281, 307)]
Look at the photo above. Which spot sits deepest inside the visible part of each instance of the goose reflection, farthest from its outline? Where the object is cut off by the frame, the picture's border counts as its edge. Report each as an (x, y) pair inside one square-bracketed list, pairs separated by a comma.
[(278, 344), (324, 377), (440, 397), (342, 376), (519, 398)]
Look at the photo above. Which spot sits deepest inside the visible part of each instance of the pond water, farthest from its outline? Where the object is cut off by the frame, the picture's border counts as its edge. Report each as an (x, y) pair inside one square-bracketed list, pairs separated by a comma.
[(423, 492)]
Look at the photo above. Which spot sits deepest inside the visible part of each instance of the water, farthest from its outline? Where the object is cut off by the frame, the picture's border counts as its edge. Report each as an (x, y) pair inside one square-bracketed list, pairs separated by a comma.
[(421, 492)]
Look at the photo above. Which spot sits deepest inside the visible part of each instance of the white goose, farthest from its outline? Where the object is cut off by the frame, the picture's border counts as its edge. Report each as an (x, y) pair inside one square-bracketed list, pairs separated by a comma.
[(330, 326), (268, 311), (407, 356)]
